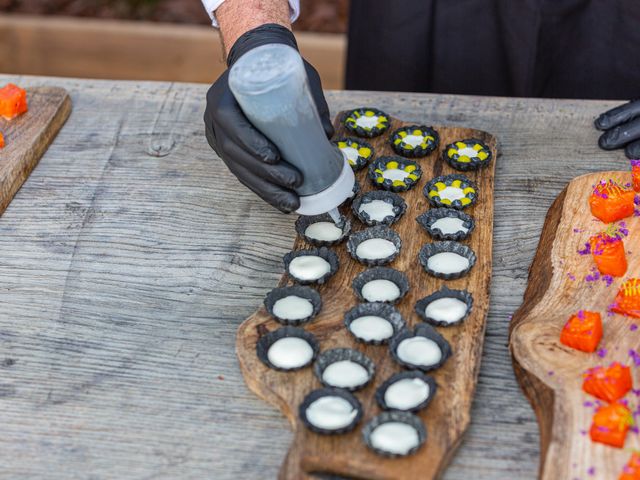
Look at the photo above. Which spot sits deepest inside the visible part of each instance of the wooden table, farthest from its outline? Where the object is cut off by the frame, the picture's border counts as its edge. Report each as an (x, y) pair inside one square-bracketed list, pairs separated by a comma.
[(131, 255)]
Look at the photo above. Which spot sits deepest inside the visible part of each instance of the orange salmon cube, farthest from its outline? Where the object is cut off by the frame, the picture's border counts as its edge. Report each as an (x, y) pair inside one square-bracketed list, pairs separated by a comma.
[(13, 101), (631, 471), (610, 202), (627, 301), (582, 331), (610, 425), (608, 383)]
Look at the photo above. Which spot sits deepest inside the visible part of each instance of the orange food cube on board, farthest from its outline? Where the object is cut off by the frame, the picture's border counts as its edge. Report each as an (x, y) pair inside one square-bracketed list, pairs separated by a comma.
[(631, 471), (582, 331), (13, 101), (1, 140), (627, 301), (608, 383), (635, 175), (609, 255), (610, 202), (610, 424)]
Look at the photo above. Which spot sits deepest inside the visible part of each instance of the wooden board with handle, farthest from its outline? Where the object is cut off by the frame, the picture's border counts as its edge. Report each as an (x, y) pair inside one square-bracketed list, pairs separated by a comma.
[(551, 373), (28, 136), (447, 416)]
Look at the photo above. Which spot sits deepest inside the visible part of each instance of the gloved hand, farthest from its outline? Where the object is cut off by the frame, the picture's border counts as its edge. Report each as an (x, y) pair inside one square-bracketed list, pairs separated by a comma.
[(622, 129), (248, 154)]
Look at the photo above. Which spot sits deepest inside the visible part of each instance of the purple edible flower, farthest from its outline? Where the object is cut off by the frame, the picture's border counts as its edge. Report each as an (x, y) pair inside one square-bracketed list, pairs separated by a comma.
[(635, 356), (602, 352)]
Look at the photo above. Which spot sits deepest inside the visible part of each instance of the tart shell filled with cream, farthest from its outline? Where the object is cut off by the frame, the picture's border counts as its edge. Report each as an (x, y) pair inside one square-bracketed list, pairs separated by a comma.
[(467, 154), (415, 141), (453, 191), (366, 122)]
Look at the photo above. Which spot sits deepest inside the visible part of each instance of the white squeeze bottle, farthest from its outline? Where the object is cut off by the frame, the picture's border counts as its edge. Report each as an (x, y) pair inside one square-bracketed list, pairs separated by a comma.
[(271, 86)]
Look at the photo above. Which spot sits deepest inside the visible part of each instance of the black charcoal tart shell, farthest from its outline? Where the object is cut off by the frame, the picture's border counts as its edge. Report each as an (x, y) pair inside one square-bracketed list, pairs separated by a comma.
[(268, 339), (329, 392), (394, 416), (299, 291), (381, 273), (399, 207), (420, 330), (382, 389), (444, 292), (430, 249), (447, 180), (362, 132), (380, 309), (361, 161), (475, 162), (329, 357), (427, 219), (380, 231), (303, 221), (417, 151), (323, 252), (380, 163)]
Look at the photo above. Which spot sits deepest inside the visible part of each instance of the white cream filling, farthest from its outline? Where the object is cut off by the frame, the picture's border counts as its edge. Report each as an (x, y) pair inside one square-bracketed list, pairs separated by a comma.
[(447, 309), (351, 153), (450, 225), (380, 290), (371, 327), (406, 394), (375, 248), (451, 193), (292, 307), (448, 262), (395, 437), (367, 122), (468, 151), (325, 231), (395, 174), (419, 350), (377, 210), (290, 352), (413, 140), (331, 413), (309, 267), (345, 374)]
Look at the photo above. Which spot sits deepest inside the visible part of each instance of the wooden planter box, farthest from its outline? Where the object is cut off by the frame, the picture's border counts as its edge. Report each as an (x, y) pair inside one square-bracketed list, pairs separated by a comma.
[(91, 48)]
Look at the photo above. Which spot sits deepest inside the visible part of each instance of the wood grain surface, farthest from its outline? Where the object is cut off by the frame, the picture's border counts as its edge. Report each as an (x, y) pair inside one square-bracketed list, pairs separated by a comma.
[(549, 372), (131, 255), (28, 136), (447, 416)]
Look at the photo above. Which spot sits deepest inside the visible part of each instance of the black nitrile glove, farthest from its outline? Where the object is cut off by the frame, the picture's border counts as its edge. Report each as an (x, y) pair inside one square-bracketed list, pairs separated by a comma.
[(622, 129), (250, 156)]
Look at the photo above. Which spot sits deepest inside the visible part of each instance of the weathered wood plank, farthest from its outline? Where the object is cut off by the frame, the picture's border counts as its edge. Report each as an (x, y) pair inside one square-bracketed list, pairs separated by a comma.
[(124, 276)]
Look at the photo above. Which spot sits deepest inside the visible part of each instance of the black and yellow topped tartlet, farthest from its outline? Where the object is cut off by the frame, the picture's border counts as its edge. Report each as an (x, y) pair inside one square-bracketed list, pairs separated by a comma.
[(415, 141), (468, 154), (358, 152), (366, 122), (454, 191), (394, 173)]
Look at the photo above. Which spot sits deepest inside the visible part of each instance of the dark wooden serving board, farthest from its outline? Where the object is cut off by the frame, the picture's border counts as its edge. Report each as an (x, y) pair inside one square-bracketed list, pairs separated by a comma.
[(448, 415), (550, 373), (28, 136)]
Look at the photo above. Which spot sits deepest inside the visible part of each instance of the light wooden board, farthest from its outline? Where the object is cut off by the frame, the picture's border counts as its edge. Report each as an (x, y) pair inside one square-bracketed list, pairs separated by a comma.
[(447, 416), (28, 136), (551, 373)]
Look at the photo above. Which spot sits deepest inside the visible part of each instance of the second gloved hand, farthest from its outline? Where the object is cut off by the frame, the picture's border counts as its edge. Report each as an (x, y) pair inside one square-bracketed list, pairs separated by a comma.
[(248, 154), (622, 129)]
